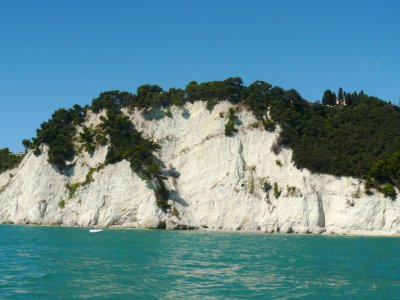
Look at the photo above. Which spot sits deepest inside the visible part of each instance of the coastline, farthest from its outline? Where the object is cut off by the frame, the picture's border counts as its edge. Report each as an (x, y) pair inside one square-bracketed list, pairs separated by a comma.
[(207, 230)]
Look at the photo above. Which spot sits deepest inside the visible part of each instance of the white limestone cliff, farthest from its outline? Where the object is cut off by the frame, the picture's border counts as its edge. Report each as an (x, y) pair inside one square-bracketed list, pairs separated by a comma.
[(220, 185)]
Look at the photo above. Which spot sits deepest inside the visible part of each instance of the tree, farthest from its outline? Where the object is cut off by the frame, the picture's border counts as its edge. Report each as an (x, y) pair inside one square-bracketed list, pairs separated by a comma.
[(8, 160), (388, 190), (348, 99), (230, 129), (393, 168), (27, 144), (149, 96), (328, 98), (340, 96)]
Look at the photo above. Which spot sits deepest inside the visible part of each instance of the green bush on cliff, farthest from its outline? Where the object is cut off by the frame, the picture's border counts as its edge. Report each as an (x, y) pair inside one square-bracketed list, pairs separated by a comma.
[(388, 190), (8, 160), (230, 129), (58, 133), (277, 190), (384, 175)]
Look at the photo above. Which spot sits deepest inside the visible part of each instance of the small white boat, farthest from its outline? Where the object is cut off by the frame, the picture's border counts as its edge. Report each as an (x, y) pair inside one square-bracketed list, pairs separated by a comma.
[(95, 230)]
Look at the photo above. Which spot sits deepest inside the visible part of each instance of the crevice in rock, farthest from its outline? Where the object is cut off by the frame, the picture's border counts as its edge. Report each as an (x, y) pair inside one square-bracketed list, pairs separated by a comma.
[(321, 212), (42, 208)]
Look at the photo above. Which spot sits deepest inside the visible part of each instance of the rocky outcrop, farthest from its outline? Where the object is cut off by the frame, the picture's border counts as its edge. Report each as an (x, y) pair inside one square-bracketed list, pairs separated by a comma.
[(215, 182)]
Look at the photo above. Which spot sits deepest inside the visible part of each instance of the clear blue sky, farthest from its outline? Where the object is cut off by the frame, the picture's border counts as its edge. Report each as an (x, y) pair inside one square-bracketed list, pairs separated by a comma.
[(57, 53)]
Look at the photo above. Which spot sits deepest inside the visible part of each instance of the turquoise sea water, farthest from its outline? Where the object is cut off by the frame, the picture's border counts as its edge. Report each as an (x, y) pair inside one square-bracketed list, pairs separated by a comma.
[(69, 263)]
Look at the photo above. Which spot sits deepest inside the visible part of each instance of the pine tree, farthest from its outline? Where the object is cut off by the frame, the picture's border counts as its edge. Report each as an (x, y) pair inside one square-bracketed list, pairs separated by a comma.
[(328, 98), (340, 96)]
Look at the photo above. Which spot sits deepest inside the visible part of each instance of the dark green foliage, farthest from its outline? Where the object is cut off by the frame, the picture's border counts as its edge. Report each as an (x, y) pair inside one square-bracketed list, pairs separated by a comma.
[(210, 104), (340, 96), (340, 140), (61, 150), (149, 96), (384, 174), (8, 160), (92, 138), (388, 190), (27, 144), (87, 137), (269, 125), (229, 89), (393, 166), (277, 191), (230, 129), (267, 186), (111, 99), (328, 98), (369, 183), (168, 113), (161, 193), (258, 97), (175, 97), (126, 142), (89, 177), (58, 134), (61, 204)]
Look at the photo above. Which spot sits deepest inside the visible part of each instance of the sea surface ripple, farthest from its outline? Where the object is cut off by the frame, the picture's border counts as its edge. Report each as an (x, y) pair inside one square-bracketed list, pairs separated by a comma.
[(71, 263)]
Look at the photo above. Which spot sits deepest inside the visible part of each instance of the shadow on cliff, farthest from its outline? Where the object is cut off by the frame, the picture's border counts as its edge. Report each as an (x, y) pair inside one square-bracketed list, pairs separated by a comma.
[(174, 196)]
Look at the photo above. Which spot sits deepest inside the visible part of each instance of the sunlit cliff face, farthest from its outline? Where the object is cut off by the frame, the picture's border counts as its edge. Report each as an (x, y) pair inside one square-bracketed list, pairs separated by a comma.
[(215, 182)]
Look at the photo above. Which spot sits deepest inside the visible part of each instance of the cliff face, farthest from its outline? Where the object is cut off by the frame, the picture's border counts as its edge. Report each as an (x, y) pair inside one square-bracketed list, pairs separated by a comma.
[(215, 182)]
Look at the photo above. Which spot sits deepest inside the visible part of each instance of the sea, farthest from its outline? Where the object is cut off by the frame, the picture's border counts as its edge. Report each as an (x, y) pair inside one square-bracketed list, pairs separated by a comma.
[(72, 263)]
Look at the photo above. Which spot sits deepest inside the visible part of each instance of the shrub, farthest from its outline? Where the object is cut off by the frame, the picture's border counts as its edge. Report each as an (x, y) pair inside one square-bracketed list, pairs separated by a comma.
[(89, 177), (61, 204), (72, 188), (8, 160), (369, 183), (230, 129), (277, 191), (293, 191), (210, 104), (168, 113), (269, 125), (254, 125), (267, 186), (387, 190), (278, 163)]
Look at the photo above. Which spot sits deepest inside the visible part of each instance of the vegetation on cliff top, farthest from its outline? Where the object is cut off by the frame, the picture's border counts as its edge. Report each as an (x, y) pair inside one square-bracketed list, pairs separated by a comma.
[(58, 133), (344, 135), (8, 160)]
